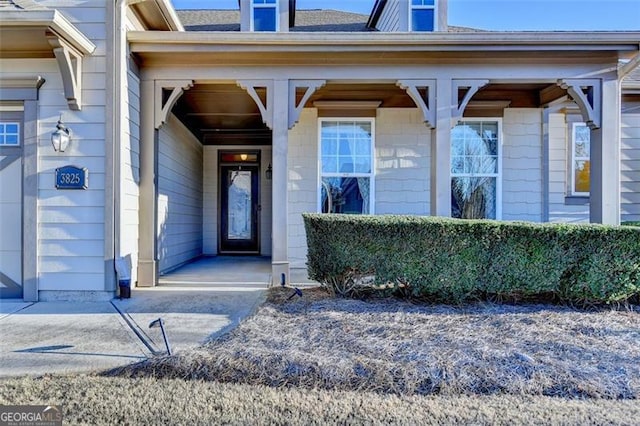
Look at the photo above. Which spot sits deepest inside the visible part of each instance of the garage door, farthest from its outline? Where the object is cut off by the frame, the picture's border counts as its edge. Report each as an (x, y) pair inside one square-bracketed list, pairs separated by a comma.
[(10, 205)]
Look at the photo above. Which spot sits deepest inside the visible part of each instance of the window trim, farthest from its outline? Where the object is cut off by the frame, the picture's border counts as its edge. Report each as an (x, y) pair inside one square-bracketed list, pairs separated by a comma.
[(275, 6), (413, 7), (499, 175), (371, 175), (18, 134), (572, 161)]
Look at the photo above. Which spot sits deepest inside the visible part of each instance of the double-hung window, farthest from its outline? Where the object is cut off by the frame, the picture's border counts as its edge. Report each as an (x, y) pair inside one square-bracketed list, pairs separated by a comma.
[(423, 15), (580, 159), (264, 15), (9, 134), (346, 166), (475, 169)]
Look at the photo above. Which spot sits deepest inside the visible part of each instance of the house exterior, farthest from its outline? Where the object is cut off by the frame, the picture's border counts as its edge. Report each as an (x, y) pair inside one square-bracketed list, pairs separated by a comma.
[(210, 132)]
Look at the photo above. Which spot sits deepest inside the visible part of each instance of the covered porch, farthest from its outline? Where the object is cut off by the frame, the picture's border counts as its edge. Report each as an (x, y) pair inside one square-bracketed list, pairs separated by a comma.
[(443, 81)]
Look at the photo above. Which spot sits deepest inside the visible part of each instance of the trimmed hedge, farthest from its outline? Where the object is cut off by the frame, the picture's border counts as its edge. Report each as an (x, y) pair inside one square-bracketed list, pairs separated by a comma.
[(453, 260)]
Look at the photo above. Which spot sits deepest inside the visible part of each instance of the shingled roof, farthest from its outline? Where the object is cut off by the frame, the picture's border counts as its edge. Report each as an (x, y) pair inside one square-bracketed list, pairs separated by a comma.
[(314, 20), (20, 5)]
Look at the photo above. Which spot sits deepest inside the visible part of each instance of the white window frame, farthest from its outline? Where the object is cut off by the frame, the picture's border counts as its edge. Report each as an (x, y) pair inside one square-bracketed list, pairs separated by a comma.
[(572, 161), (497, 175), (17, 134), (275, 6), (413, 7), (371, 175)]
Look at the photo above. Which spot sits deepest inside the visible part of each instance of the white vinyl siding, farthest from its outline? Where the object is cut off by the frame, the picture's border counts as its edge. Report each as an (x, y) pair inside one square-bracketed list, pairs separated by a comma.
[(389, 20), (179, 195)]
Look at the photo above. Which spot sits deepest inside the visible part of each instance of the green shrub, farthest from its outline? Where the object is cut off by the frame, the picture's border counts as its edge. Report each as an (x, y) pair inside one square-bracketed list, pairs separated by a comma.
[(452, 260)]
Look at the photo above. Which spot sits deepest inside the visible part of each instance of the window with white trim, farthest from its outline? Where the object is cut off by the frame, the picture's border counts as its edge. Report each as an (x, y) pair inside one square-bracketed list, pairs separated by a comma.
[(264, 15), (9, 133), (580, 159), (423, 15), (346, 166), (475, 169)]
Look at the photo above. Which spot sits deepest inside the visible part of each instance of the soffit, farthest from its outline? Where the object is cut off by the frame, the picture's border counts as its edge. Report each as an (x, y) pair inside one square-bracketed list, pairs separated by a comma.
[(27, 34)]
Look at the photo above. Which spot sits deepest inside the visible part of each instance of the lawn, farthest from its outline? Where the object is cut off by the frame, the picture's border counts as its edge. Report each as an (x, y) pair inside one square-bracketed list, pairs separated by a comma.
[(319, 360), (394, 347)]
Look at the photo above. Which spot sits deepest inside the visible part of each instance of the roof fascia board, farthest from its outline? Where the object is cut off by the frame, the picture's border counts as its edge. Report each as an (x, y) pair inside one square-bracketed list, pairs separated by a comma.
[(53, 20), (489, 41), (376, 12), (164, 11)]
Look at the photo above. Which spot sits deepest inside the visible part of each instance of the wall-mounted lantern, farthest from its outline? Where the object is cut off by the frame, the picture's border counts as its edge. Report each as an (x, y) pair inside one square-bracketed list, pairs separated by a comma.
[(268, 173), (61, 138)]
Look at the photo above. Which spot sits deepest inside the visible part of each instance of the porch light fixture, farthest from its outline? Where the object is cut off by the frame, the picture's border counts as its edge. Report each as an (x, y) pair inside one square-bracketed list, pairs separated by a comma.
[(268, 173), (243, 157), (61, 137)]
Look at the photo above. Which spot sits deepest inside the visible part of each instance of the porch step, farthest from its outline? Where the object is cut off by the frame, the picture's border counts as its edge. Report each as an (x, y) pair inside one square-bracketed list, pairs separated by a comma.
[(213, 284)]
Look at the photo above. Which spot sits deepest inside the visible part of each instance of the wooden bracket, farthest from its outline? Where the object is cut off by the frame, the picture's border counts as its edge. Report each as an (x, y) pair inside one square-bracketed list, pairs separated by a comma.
[(167, 93), (587, 93), (70, 63), (426, 102), (265, 107), (472, 87), (295, 109)]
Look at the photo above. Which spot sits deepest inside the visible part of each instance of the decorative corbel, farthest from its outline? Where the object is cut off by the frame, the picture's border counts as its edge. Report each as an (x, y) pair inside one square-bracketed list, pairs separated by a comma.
[(70, 63), (266, 108), (295, 109), (587, 93), (427, 102), (167, 93), (472, 87)]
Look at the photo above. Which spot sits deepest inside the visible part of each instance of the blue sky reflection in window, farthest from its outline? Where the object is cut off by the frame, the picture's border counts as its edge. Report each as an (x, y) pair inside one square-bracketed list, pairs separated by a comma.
[(265, 15), (422, 15)]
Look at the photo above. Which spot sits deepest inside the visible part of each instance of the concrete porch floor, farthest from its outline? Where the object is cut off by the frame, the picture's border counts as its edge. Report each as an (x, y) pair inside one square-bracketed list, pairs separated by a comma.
[(229, 271)]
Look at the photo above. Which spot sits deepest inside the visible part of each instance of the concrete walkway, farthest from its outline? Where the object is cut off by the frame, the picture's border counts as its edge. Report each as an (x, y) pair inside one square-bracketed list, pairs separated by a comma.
[(70, 337)]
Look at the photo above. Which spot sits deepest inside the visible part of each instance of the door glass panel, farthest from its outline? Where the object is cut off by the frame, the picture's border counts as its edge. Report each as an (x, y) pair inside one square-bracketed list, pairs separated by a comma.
[(239, 209)]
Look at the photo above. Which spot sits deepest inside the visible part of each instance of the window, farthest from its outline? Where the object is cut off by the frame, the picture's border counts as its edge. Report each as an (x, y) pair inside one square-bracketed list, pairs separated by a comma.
[(9, 134), (264, 15), (580, 160), (423, 13), (346, 166), (475, 170)]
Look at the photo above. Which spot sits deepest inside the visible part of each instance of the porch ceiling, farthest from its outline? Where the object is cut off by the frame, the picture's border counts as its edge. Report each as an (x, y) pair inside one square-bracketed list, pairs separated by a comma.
[(224, 114)]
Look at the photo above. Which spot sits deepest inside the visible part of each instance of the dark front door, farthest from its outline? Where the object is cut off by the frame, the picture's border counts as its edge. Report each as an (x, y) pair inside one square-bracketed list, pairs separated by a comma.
[(239, 209)]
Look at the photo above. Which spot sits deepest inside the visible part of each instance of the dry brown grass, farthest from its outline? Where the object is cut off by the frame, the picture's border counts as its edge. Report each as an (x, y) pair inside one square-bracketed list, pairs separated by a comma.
[(393, 347), (89, 400)]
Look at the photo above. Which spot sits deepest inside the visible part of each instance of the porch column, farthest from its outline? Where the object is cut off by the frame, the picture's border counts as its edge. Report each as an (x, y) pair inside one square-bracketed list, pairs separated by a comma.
[(279, 231), (147, 266), (604, 196), (441, 150)]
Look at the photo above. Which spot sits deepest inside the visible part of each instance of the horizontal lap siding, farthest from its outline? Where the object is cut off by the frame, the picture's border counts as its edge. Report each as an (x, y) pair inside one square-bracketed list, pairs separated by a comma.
[(559, 211), (630, 162), (71, 224), (179, 195), (522, 164)]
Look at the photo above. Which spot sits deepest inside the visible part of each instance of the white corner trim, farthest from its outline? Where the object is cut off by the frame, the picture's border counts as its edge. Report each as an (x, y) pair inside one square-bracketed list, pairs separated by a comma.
[(428, 104), (472, 87), (296, 109), (161, 111), (265, 110), (587, 93)]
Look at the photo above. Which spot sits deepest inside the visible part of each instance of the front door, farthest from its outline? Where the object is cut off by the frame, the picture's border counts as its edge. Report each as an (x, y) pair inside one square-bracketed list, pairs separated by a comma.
[(239, 209)]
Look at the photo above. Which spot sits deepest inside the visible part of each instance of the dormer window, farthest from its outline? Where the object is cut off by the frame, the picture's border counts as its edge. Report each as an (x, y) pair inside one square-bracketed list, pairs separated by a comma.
[(264, 15), (423, 14)]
